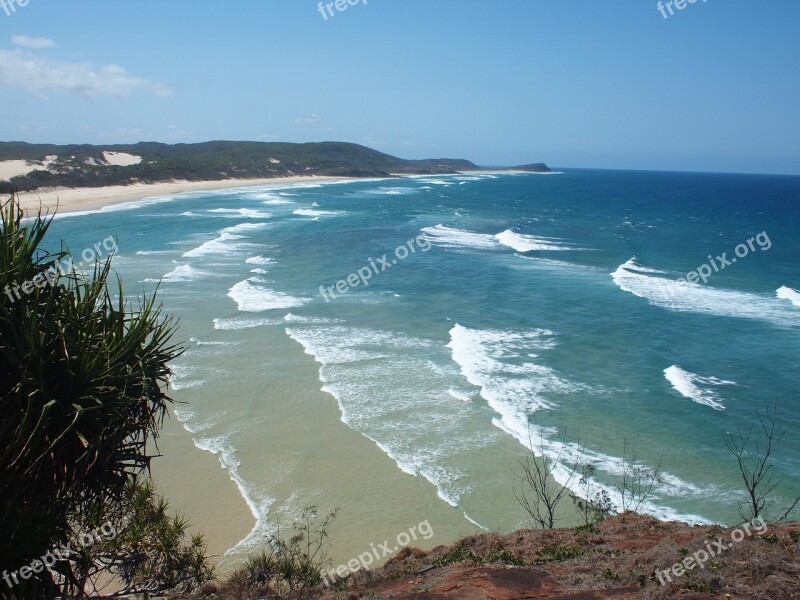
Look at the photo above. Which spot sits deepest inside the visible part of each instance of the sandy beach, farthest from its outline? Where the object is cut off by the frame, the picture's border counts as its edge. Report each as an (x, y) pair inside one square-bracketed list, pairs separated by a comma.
[(68, 200)]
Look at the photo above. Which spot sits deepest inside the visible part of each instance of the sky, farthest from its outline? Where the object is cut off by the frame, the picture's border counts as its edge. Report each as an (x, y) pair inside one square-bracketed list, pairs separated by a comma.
[(574, 83)]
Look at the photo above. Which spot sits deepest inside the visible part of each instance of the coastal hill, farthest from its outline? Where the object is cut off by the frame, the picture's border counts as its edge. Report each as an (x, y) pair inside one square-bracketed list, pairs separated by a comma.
[(26, 167), (626, 557), (532, 168)]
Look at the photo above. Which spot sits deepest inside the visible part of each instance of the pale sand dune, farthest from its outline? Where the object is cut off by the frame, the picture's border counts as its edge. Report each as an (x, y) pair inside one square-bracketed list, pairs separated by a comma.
[(80, 199), (15, 168), (121, 159)]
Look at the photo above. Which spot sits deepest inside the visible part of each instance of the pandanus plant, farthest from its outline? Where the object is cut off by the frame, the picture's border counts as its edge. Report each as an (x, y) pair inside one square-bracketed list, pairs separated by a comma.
[(83, 375)]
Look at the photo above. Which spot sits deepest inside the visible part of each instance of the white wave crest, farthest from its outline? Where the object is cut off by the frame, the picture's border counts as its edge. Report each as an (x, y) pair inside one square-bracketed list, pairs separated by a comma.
[(787, 293), (184, 377), (369, 373), (237, 324), (247, 213), (510, 387), (252, 297), (223, 244), (529, 243), (661, 290), (222, 447), (309, 212), (490, 360), (184, 273), (449, 237), (695, 387), (218, 245), (291, 318), (260, 260), (245, 227)]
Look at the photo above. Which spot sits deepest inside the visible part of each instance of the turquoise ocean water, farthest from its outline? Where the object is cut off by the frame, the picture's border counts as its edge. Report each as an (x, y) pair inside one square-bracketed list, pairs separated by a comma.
[(502, 300)]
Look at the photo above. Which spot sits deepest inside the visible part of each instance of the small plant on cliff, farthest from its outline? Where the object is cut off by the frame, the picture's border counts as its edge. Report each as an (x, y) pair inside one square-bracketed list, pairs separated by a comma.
[(534, 486), (593, 504), (637, 481), (754, 457), (290, 566)]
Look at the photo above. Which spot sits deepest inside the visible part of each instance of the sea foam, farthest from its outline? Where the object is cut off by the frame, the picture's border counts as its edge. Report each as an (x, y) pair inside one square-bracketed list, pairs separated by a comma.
[(237, 323), (310, 212), (222, 447), (181, 273), (226, 241), (413, 420), (695, 387), (450, 237), (514, 389), (529, 243), (252, 297), (661, 289), (260, 260), (219, 245), (787, 293), (247, 213)]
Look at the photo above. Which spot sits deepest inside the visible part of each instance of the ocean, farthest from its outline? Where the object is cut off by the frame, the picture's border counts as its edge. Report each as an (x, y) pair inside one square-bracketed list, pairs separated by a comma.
[(449, 321)]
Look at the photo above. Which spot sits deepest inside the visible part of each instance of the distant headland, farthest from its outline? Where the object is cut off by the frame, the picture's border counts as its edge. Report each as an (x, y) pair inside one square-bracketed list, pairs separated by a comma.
[(28, 167)]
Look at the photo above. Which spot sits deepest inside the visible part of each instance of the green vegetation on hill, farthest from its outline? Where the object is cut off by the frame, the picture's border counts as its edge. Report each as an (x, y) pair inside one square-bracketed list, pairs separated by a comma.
[(85, 165), (533, 168)]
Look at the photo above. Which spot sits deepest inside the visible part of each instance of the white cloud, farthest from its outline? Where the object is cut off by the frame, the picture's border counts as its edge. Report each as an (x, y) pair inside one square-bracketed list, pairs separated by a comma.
[(309, 120), (32, 42), (41, 75)]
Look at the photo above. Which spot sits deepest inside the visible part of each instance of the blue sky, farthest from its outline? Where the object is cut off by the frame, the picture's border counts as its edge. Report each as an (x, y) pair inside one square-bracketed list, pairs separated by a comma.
[(575, 83)]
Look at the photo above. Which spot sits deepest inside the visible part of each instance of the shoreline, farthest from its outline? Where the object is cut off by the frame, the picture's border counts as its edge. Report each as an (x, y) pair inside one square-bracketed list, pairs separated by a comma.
[(70, 200)]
